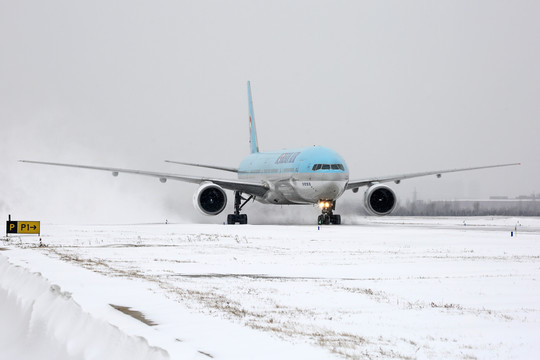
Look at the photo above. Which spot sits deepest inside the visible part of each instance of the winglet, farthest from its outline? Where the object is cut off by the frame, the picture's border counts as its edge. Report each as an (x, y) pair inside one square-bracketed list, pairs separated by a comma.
[(253, 143)]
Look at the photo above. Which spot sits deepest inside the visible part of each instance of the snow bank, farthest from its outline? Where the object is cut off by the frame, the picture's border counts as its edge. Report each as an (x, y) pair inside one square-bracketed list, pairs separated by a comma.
[(39, 321)]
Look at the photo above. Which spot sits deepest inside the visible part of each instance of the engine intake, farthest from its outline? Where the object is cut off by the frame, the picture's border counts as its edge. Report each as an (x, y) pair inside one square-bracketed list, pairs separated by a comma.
[(210, 199), (380, 200)]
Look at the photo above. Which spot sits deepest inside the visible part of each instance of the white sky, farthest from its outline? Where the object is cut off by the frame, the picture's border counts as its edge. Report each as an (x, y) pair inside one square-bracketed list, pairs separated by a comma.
[(393, 86)]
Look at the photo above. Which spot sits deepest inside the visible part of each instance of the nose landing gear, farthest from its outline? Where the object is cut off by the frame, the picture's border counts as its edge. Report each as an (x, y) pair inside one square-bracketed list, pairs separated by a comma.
[(328, 217)]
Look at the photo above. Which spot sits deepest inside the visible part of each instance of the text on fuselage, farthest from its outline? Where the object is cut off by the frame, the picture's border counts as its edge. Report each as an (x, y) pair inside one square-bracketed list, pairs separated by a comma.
[(287, 158)]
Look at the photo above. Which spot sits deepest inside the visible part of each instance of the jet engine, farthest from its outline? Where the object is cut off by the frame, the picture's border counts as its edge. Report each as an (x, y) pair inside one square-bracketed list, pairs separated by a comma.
[(380, 200), (210, 199)]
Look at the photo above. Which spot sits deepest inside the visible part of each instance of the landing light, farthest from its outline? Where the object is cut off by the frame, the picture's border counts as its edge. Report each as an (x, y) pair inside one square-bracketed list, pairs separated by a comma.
[(325, 204)]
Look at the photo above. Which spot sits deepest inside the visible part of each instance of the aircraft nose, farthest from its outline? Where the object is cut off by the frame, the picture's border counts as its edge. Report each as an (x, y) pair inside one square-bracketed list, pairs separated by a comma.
[(331, 189)]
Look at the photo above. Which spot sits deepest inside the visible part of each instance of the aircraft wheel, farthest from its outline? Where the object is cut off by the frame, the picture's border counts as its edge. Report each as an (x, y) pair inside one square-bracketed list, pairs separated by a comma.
[(233, 219), (324, 219), (336, 219)]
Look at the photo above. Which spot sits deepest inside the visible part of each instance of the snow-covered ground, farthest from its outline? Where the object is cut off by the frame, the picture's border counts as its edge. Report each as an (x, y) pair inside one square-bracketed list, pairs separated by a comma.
[(384, 288)]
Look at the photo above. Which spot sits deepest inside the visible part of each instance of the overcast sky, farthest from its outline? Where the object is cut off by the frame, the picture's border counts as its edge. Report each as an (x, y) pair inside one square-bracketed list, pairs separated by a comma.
[(393, 86)]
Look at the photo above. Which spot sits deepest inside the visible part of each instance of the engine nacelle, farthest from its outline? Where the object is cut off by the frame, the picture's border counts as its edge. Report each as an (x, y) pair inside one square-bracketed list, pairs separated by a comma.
[(380, 200), (210, 199)]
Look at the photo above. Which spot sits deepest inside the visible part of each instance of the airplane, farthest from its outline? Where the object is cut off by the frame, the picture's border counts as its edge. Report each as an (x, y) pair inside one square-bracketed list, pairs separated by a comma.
[(298, 176)]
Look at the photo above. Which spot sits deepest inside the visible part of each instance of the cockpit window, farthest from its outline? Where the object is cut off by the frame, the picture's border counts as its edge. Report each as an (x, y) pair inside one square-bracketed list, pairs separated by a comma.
[(328, 167)]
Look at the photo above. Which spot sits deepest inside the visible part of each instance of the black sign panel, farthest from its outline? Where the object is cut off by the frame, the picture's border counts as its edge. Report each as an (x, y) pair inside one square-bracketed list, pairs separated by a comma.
[(11, 227)]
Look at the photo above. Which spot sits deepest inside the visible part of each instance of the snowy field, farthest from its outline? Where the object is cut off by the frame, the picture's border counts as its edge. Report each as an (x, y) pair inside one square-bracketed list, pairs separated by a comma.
[(385, 288)]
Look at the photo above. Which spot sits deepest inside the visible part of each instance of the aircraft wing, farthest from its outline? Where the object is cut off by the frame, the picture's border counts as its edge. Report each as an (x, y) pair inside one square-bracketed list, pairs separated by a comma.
[(249, 187), (355, 184), (223, 168)]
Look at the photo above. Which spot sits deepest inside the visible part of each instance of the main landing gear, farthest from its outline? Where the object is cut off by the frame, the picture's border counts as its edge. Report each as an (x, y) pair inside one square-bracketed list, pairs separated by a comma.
[(327, 217), (238, 205)]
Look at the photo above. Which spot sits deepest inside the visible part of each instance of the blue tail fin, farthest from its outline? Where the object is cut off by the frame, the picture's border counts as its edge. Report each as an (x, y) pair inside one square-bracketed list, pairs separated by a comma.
[(253, 143)]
